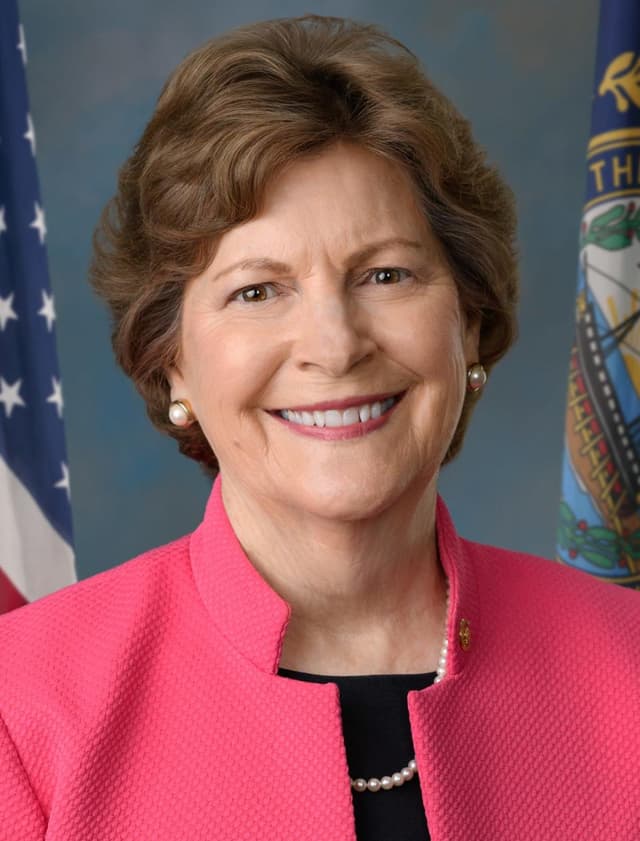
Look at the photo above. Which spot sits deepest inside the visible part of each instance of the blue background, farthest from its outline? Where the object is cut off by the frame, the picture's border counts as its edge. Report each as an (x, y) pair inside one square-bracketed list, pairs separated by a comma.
[(521, 71)]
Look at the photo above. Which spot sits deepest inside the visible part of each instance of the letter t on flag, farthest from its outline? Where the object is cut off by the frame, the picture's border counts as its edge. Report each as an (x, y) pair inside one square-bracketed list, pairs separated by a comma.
[(36, 555), (599, 528)]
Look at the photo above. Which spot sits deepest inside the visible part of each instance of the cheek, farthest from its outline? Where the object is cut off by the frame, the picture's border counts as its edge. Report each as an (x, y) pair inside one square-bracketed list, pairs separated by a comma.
[(430, 340), (226, 367)]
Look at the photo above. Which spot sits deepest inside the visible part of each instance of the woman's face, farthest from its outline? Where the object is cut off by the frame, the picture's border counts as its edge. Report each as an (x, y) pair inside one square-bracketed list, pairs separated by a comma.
[(336, 291)]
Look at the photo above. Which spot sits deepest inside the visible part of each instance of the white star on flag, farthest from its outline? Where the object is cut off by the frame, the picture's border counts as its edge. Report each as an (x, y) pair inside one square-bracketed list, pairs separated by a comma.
[(6, 311), (39, 223), (36, 532), (22, 44), (30, 134), (10, 397), (64, 482), (47, 310), (56, 396)]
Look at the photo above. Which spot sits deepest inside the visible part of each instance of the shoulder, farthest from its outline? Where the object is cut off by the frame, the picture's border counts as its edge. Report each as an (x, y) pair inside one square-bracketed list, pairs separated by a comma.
[(530, 592), (90, 615), (523, 570)]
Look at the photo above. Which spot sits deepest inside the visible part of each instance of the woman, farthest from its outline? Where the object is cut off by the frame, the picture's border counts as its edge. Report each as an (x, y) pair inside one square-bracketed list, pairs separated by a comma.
[(311, 269)]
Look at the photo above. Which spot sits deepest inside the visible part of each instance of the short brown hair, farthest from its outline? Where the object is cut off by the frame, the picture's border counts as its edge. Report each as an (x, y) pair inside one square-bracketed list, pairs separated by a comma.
[(232, 114)]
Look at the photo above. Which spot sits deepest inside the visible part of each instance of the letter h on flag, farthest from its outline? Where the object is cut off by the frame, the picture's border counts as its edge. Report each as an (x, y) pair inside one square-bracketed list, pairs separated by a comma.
[(599, 528), (36, 555)]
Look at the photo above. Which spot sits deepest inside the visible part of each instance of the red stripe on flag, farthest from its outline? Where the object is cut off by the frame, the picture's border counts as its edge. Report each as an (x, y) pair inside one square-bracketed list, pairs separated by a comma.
[(10, 598)]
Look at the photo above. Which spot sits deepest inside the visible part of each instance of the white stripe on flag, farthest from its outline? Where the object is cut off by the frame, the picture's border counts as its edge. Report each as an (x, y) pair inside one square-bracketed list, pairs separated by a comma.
[(32, 553)]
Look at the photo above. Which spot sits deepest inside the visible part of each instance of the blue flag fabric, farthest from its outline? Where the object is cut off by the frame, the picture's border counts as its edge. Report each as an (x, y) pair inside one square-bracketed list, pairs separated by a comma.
[(35, 510), (599, 528)]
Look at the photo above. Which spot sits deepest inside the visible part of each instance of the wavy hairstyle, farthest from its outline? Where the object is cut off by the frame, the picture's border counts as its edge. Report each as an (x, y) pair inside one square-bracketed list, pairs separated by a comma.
[(236, 111)]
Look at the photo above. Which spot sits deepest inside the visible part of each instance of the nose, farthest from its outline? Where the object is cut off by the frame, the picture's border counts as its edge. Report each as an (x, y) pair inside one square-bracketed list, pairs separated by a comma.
[(332, 334)]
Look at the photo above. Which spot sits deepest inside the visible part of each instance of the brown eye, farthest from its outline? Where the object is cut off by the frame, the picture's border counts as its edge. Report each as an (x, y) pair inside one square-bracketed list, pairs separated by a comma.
[(251, 294), (384, 277)]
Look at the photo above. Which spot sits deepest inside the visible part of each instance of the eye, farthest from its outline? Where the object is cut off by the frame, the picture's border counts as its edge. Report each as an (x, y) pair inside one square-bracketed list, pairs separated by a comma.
[(249, 293), (388, 276)]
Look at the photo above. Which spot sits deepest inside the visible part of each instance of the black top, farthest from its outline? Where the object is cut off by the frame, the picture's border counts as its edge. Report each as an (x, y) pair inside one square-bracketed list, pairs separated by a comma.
[(377, 736)]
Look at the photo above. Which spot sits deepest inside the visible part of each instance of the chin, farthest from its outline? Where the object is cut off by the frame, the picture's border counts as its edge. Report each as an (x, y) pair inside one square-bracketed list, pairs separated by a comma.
[(345, 498)]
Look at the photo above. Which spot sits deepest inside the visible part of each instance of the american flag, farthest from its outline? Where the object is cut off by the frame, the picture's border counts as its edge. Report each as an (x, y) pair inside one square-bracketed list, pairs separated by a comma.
[(36, 555)]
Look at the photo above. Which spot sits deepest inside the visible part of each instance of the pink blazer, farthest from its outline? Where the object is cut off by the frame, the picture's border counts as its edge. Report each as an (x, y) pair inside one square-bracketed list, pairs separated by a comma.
[(143, 704)]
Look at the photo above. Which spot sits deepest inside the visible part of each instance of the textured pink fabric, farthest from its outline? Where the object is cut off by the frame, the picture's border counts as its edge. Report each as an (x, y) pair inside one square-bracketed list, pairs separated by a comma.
[(143, 704)]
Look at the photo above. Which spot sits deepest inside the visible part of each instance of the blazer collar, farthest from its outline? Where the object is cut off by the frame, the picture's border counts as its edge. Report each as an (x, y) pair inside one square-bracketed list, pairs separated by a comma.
[(253, 617)]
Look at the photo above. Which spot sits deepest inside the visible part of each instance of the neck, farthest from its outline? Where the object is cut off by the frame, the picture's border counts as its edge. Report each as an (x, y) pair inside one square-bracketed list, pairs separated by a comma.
[(366, 596)]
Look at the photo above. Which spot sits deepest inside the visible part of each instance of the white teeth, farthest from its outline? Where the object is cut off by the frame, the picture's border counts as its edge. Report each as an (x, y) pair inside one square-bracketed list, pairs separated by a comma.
[(350, 416), (335, 418)]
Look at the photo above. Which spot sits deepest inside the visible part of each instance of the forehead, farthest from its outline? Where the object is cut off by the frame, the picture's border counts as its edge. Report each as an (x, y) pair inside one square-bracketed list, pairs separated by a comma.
[(337, 200)]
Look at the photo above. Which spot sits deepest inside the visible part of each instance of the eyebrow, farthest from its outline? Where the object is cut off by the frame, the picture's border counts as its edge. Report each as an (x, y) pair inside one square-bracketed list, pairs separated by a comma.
[(357, 257)]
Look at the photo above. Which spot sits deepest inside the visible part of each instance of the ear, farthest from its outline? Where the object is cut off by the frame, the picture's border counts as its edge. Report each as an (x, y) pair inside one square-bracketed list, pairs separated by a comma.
[(472, 337), (177, 384)]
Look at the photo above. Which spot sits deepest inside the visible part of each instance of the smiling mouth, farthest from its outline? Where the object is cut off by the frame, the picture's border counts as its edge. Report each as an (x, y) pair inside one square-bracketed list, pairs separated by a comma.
[(337, 418)]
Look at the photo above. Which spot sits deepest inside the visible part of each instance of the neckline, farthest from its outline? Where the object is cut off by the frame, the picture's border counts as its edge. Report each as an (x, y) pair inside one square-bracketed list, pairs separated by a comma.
[(253, 617), (388, 678)]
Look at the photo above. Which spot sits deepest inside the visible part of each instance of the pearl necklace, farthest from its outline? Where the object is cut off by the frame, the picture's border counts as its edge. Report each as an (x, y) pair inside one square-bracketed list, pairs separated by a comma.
[(405, 774)]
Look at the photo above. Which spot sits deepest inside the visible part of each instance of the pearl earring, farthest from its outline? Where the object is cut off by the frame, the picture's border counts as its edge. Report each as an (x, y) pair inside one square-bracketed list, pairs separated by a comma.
[(476, 377), (180, 413)]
